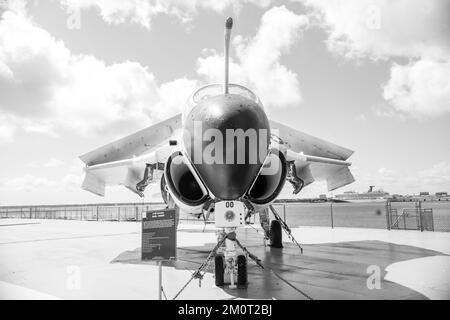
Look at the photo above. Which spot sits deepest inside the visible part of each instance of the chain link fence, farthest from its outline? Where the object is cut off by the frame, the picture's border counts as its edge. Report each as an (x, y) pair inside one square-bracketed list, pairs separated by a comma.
[(434, 215), (400, 215), (89, 212)]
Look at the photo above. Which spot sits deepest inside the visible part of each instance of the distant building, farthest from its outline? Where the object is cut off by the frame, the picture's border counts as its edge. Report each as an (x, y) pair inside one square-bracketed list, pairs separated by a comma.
[(441, 194), (424, 193), (323, 196)]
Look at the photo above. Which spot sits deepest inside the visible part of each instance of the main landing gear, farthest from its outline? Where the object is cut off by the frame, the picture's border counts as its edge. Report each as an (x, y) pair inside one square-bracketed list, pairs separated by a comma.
[(275, 235), (272, 229)]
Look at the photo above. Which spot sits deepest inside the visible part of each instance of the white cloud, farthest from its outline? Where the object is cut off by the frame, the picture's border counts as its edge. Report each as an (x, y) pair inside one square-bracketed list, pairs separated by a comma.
[(72, 182), (258, 59), (46, 88), (28, 183), (50, 163), (420, 88), (438, 175), (35, 126), (53, 162), (18, 6), (7, 130), (361, 117), (385, 171), (383, 29), (174, 93), (142, 12)]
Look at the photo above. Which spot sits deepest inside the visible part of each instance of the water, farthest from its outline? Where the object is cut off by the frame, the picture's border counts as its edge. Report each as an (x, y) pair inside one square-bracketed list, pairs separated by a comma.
[(359, 215)]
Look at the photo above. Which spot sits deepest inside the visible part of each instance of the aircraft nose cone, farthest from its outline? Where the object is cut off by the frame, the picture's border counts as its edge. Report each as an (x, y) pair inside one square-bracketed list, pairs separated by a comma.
[(227, 139)]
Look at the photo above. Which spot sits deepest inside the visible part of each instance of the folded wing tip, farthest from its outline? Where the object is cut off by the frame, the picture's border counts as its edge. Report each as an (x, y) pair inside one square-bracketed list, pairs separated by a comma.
[(93, 184)]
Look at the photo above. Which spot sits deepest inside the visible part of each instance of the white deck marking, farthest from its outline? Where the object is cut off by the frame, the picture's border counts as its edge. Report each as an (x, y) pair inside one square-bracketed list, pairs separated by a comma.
[(430, 276), (437, 241), (9, 291), (93, 247)]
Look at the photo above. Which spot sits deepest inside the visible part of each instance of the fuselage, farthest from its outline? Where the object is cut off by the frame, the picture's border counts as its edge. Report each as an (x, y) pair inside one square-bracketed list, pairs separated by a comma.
[(225, 145), (227, 138)]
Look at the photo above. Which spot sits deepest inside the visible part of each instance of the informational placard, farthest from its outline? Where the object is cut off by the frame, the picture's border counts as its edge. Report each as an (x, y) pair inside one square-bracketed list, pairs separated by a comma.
[(159, 235)]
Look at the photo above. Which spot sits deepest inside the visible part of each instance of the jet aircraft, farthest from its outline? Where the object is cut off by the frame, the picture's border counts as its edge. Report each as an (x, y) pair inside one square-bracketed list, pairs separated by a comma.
[(222, 155)]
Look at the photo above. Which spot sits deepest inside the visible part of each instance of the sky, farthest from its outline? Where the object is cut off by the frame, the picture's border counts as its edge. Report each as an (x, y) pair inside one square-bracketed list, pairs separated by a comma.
[(369, 75)]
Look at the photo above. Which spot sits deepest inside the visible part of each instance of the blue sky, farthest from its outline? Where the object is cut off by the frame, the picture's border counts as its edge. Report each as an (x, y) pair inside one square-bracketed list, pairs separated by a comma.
[(373, 76)]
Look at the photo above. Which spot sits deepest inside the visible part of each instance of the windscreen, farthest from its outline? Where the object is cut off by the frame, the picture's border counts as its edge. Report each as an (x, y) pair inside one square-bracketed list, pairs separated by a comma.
[(212, 90)]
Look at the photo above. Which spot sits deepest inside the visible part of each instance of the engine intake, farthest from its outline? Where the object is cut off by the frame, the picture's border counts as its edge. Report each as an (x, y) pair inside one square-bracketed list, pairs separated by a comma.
[(182, 183), (270, 180)]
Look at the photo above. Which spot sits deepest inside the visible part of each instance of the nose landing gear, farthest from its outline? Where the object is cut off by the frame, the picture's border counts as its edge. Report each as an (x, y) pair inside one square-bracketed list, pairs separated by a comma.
[(237, 270), (228, 262)]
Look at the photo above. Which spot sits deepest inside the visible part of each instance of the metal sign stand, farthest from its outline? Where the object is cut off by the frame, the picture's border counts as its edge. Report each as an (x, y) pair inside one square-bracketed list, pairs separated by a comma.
[(160, 289), (161, 293), (159, 240)]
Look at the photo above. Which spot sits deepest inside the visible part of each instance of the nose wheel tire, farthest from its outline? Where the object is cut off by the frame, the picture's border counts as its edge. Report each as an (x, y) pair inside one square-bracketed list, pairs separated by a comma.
[(276, 239), (219, 270), (242, 271)]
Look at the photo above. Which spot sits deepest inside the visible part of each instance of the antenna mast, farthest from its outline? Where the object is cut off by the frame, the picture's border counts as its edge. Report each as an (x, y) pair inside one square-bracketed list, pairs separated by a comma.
[(228, 26)]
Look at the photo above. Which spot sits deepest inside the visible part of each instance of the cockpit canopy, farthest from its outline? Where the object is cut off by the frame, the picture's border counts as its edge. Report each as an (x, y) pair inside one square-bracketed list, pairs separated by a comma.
[(216, 89)]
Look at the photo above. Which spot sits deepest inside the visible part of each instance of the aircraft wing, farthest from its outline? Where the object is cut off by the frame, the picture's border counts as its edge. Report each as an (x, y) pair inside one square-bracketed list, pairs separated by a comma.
[(123, 162), (315, 159)]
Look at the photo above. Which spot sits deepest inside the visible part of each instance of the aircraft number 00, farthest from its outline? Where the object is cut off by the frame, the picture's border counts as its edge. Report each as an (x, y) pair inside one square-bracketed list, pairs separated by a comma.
[(229, 204)]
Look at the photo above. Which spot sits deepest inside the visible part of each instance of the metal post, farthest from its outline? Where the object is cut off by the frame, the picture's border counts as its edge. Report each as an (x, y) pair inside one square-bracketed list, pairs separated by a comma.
[(97, 213), (159, 279), (388, 215), (284, 212), (420, 217), (331, 210), (118, 214), (404, 219)]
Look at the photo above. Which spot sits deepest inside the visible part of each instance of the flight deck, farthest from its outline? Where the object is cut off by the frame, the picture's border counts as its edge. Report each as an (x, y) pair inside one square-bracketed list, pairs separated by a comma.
[(59, 259)]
